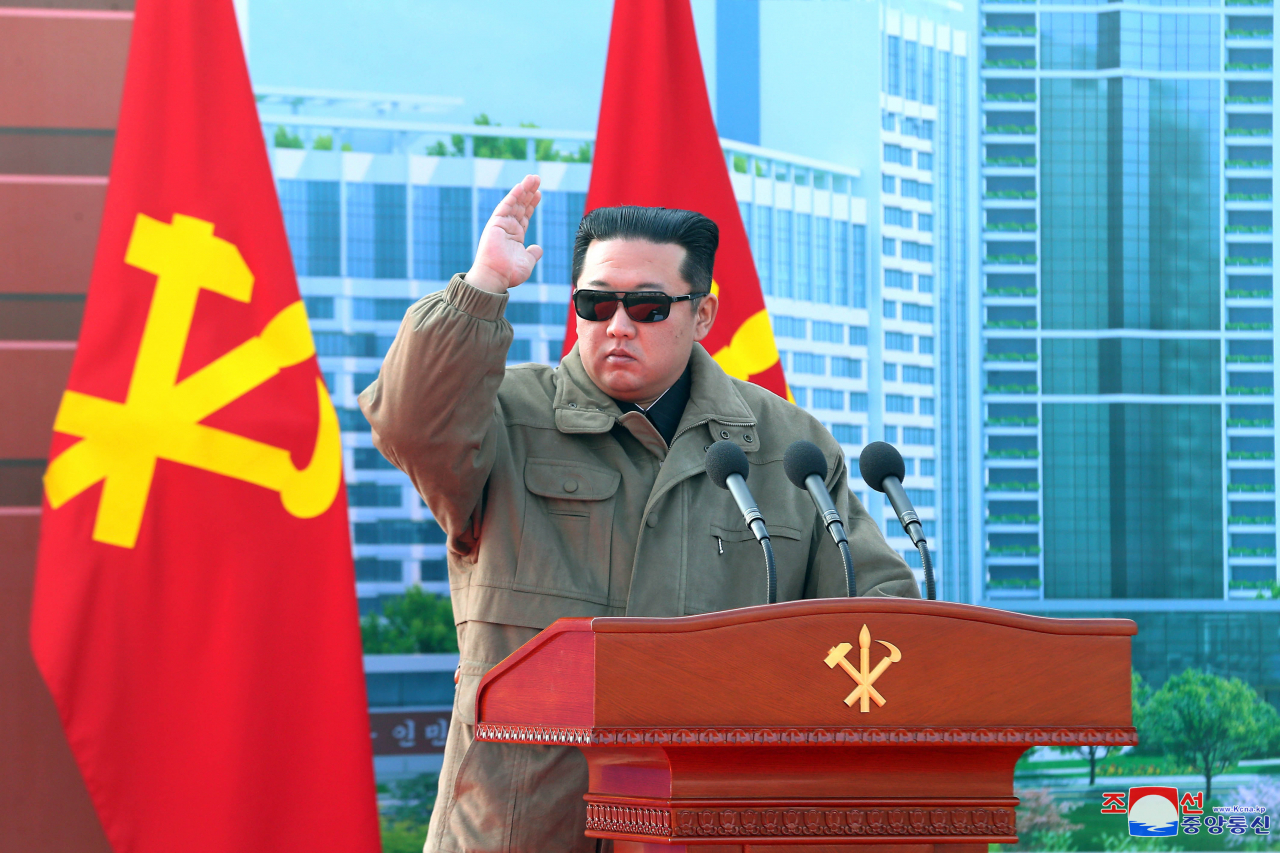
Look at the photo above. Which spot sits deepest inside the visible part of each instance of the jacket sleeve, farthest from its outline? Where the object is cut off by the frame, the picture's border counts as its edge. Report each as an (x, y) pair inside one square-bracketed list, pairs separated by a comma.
[(433, 407), (878, 569)]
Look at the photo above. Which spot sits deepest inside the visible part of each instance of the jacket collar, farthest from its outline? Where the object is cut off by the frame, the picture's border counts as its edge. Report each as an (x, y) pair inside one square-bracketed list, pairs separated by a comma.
[(581, 407)]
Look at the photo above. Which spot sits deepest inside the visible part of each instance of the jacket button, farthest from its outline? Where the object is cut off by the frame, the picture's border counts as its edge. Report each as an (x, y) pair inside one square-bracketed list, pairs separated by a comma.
[(652, 521), (724, 433), (571, 485)]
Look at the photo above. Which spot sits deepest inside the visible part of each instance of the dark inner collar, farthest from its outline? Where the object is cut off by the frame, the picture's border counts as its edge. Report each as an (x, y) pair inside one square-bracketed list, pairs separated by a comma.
[(666, 412)]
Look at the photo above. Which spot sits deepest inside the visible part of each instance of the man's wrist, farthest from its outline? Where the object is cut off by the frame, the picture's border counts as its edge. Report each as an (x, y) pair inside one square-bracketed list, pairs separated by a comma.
[(486, 279)]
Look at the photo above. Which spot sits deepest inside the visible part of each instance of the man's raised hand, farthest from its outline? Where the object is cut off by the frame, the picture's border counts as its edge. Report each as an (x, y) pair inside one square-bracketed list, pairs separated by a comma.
[(502, 261)]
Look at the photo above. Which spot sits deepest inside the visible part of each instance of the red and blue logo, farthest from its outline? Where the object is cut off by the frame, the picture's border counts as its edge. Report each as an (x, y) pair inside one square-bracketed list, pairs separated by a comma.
[(1153, 811)]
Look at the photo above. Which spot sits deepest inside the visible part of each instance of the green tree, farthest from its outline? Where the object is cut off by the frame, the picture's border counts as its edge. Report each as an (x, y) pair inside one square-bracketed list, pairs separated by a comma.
[(285, 139), (507, 147), (415, 623), (1093, 753), (323, 142), (1209, 722), (407, 812)]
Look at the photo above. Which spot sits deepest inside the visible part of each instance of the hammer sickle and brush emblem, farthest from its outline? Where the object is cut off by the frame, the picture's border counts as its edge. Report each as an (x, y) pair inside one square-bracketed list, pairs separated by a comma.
[(864, 675), (161, 417)]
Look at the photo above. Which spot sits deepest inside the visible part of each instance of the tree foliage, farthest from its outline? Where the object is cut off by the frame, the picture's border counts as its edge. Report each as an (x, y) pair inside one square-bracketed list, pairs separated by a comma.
[(416, 623), (1208, 721), (508, 147), (1042, 823), (285, 139)]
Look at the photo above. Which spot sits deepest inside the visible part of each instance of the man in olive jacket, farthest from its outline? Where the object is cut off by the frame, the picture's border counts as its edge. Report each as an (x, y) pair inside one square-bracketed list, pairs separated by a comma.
[(581, 490)]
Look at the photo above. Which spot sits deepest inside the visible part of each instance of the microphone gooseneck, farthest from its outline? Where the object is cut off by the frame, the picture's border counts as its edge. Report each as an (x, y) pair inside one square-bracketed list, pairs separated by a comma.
[(728, 468), (883, 469), (806, 468)]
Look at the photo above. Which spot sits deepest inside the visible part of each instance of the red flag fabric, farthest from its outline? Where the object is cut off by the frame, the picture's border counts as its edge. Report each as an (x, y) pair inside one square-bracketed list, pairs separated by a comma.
[(656, 145), (195, 614)]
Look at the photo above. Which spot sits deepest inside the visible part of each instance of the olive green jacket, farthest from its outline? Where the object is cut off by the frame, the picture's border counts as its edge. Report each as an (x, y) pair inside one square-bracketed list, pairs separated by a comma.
[(555, 504)]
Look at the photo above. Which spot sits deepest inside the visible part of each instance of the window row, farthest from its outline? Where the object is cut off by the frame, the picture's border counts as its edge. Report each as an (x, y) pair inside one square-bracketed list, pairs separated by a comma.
[(903, 342), (903, 280), (795, 327), (807, 257), (916, 71), (913, 373), (920, 190), (813, 364), (385, 221), (911, 312), (910, 435), (830, 399), (904, 404), (908, 219)]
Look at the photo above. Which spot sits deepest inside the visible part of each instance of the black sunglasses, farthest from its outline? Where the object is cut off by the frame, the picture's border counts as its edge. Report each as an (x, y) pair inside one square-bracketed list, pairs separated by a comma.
[(641, 306)]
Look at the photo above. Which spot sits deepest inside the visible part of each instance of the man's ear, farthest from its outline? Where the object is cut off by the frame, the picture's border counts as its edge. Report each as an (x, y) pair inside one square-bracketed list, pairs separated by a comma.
[(705, 318)]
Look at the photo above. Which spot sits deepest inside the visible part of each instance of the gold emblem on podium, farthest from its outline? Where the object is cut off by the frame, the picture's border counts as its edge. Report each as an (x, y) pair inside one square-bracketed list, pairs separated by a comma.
[(863, 674)]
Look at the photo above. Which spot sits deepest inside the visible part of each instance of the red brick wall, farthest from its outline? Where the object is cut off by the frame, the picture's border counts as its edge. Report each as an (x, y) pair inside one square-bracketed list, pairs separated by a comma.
[(62, 63)]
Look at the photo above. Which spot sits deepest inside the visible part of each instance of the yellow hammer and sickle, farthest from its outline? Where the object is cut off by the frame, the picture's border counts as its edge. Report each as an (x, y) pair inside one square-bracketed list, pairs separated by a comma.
[(751, 350), (160, 418), (865, 676)]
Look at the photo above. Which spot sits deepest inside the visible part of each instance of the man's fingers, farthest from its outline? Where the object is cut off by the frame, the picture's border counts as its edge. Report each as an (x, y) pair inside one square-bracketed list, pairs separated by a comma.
[(536, 251)]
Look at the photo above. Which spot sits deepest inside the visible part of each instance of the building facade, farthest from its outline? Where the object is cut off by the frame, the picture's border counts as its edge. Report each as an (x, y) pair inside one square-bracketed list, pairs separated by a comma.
[(928, 206), (1127, 342)]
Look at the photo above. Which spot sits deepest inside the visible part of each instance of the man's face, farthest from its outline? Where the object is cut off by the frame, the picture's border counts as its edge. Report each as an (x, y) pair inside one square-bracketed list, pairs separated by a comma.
[(630, 361)]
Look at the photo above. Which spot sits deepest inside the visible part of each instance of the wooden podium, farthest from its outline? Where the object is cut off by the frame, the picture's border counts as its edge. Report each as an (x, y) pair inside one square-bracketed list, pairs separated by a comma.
[(828, 723)]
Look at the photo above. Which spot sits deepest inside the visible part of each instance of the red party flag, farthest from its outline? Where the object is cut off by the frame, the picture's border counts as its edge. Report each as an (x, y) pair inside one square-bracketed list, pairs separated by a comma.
[(195, 614), (656, 146)]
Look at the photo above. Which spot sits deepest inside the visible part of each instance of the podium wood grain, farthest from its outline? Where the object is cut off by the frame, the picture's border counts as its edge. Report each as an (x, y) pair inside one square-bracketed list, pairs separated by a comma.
[(733, 728)]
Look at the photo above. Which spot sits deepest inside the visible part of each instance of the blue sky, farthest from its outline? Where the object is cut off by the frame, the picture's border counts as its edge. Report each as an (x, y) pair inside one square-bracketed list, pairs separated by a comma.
[(517, 61), (543, 61)]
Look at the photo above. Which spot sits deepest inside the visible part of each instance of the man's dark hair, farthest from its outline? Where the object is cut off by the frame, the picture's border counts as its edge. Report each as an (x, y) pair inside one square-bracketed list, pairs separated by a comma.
[(693, 232)]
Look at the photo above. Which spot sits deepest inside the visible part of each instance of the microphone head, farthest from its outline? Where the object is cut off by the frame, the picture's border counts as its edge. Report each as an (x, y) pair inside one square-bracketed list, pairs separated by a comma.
[(725, 458), (802, 459), (879, 460)]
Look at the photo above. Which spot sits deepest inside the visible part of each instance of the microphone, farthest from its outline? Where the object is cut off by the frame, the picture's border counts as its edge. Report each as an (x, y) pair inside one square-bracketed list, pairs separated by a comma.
[(806, 468), (883, 469), (728, 468)]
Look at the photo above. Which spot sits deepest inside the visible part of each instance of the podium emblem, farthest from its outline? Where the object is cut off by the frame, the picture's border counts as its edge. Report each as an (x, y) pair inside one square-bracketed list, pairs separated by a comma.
[(863, 674)]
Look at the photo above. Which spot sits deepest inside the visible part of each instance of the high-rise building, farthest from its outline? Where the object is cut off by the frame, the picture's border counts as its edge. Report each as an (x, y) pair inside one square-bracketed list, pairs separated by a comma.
[(1127, 343), (928, 205), (897, 92)]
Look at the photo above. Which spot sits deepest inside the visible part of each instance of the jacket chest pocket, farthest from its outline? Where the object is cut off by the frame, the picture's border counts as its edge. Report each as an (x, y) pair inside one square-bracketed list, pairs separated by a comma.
[(567, 531), (727, 569)]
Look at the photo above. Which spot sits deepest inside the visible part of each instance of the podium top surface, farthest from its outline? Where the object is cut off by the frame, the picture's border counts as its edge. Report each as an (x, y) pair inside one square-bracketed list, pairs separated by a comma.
[(852, 670)]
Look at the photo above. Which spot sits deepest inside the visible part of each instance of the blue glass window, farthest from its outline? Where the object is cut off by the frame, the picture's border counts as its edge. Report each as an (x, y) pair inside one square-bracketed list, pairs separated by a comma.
[(846, 368), (442, 243), (829, 332), (377, 241), (561, 215), (784, 246), (763, 248), (909, 71), (858, 267), (899, 403), (804, 283), (822, 260), (311, 219), (825, 398), (847, 433), (893, 65), (808, 362)]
